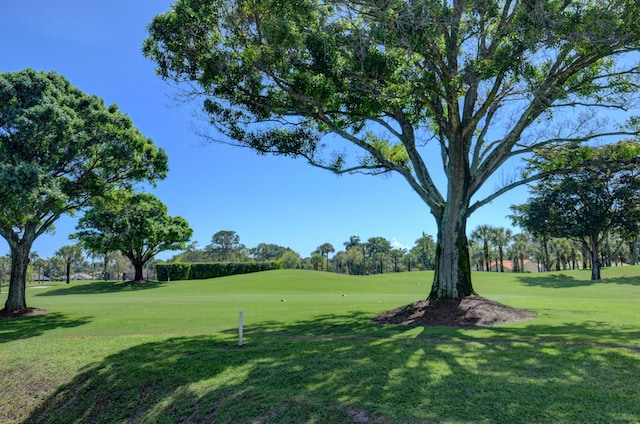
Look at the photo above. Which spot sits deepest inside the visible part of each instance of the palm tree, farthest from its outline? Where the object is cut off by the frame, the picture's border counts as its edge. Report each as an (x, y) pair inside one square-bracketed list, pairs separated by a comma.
[(501, 238), (70, 254), (519, 249), (483, 234), (324, 249)]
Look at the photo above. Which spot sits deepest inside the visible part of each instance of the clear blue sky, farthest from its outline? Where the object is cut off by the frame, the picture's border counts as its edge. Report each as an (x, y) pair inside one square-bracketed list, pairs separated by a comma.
[(97, 46)]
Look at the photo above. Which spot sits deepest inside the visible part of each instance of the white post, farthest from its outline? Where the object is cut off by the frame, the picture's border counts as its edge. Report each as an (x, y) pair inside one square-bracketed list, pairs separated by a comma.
[(240, 330)]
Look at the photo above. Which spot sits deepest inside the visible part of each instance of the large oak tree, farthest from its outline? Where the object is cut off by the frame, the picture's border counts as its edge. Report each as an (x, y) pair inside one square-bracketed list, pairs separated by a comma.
[(59, 148), (481, 81)]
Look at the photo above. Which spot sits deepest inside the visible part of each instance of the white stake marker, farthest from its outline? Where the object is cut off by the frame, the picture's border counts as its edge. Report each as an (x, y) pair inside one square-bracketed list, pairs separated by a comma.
[(240, 330)]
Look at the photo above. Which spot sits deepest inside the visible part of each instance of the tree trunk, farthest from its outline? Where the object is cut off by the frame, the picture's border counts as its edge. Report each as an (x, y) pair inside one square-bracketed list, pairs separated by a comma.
[(595, 258), (17, 286), (487, 261), (138, 266), (68, 272), (452, 278)]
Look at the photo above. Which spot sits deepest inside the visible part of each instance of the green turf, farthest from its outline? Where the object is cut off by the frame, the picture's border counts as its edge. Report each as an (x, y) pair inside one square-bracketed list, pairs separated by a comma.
[(168, 353)]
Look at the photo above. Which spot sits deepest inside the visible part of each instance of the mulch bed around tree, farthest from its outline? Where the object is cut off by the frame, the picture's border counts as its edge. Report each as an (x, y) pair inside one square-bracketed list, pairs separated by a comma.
[(472, 311), (26, 312)]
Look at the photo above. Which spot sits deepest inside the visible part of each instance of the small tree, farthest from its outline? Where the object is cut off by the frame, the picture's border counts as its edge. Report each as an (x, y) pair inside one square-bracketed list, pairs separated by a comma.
[(69, 254), (137, 225)]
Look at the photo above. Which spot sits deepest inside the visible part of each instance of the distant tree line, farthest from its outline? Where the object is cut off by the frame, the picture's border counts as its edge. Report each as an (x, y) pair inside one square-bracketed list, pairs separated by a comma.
[(71, 262), (225, 246)]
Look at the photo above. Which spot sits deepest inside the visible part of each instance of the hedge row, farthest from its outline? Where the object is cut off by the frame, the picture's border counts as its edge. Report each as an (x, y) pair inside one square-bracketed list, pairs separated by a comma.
[(188, 271)]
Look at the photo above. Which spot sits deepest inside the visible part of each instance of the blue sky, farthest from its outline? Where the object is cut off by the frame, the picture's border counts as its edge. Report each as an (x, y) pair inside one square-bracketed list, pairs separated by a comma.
[(97, 46)]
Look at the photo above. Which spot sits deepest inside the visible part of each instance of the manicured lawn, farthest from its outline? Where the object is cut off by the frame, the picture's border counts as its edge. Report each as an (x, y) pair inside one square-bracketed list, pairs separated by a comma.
[(167, 352)]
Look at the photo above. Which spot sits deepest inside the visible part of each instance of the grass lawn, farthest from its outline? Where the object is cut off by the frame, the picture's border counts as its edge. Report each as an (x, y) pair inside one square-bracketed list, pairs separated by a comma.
[(167, 352)]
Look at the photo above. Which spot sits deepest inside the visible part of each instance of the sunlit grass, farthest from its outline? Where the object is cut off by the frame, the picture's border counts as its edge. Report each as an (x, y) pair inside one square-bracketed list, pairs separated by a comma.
[(167, 352)]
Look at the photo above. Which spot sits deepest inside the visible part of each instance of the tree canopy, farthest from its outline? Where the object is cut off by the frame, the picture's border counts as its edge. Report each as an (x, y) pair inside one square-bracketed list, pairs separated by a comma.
[(134, 224), (473, 82), (60, 148)]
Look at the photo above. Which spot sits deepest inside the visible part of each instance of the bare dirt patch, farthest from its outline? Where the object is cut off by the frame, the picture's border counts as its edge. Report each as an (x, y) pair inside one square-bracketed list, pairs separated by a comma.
[(471, 311), (26, 312)]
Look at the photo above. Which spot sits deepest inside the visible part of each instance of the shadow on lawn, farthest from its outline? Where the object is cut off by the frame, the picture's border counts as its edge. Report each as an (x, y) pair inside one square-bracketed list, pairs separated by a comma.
[(558, 281), (343, 369), (33, 326), (98, 287)]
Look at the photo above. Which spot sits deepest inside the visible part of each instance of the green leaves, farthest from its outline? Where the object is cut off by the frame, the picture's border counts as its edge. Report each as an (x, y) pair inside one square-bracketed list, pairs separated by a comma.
[(59, 147)]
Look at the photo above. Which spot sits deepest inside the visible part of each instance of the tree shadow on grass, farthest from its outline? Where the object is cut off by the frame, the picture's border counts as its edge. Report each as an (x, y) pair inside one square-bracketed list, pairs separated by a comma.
[(340, 369), (33, 326), (98, 287), (559, 281)]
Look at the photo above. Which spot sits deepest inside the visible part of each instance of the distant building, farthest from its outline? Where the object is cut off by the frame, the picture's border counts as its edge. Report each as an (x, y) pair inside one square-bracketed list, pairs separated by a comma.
[(529, 266), (81, 276)]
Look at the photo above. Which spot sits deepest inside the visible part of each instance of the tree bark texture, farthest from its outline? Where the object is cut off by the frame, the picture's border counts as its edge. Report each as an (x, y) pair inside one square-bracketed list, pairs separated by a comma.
[(452, 279), (19, 262)]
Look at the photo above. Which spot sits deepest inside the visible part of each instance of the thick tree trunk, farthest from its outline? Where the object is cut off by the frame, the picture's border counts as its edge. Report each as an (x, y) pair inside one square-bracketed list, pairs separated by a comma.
[(17, 286), (452, 278), (453, 268), (68, 272), (138, 266)]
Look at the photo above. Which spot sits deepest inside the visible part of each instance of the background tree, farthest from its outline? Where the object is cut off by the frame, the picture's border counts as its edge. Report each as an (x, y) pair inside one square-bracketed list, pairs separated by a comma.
[(226, 247), (377, 248), (141, 223), (519, 250), (396, 255), (501, 238), (34, 258), (354, 241), (324, 249), (485, 81), (191, 254), (355, 260), (483, 235), (5, 268), (589, 204), (267, 252), (425, 251), (291, 260), (59, 148), (70, 255), (316, 260)]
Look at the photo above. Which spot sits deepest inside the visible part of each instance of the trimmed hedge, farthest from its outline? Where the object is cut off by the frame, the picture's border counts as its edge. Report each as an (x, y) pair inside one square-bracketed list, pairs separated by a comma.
[(198, 271), (173, 271)]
